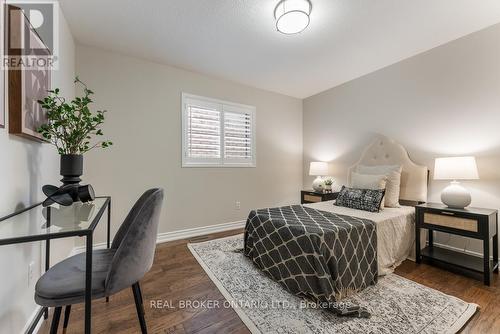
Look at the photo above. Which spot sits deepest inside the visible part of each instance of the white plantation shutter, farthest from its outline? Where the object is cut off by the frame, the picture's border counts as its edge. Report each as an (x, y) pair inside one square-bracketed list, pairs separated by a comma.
[(238, 136), (203, 133), (217, 133)]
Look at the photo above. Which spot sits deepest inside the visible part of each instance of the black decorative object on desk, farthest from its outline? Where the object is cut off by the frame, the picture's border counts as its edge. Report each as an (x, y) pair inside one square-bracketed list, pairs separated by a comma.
[(68, 194), (70, 128)]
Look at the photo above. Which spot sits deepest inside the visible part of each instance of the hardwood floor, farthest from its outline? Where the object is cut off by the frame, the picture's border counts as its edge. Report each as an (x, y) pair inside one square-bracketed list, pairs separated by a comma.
[(176, 276)]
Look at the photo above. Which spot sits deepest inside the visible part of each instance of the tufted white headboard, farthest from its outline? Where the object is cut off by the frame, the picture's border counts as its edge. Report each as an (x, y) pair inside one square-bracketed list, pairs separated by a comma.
[(385, 151)]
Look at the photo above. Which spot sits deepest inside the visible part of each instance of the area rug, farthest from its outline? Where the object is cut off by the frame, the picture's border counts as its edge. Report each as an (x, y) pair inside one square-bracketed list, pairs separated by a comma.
[(396, 304)]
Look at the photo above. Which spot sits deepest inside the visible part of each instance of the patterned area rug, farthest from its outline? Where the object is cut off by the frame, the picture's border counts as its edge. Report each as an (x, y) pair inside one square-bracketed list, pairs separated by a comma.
[(397, 305)]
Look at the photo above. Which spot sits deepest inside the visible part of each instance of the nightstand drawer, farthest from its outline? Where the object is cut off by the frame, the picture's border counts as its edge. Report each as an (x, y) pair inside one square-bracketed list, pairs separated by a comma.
[(312, 198), (447, 219)]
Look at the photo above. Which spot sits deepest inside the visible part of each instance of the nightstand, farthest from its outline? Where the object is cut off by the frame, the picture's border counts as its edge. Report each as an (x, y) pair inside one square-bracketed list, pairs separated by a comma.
[(310, 196), (469, 222)]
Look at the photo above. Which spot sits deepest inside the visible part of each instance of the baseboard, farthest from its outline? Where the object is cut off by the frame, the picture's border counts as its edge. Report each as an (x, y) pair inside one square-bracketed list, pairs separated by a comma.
[(197, 231), (178, 235)]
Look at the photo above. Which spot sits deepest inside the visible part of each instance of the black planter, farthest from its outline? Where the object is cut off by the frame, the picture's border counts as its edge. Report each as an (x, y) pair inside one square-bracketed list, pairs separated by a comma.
[(71, 168)]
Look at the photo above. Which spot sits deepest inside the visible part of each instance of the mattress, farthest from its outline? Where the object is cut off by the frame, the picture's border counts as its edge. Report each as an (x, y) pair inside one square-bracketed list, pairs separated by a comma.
[(395, 231)]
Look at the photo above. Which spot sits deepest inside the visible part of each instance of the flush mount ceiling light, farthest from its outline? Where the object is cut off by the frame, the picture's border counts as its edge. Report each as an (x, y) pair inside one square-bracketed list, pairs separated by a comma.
[(292, 16)]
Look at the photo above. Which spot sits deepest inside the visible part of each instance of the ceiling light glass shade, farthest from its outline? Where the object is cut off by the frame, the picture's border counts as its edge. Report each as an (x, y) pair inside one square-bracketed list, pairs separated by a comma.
[(292, 16)]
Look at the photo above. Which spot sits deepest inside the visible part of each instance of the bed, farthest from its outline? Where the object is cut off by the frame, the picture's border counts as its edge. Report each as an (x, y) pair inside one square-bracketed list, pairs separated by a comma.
[(324, 252)]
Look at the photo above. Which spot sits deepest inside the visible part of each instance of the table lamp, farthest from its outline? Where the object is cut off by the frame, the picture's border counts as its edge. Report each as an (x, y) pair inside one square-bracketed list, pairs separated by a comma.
[(455, 168), (318, 169)]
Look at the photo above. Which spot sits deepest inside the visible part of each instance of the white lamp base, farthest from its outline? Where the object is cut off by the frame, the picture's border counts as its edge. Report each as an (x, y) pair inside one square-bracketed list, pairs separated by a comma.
[(318, 184), (455, 196)]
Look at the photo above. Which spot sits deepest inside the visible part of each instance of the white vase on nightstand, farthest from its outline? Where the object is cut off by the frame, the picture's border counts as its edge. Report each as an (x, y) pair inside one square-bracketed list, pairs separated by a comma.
[(455, 196), (319, 184), (453, 169)]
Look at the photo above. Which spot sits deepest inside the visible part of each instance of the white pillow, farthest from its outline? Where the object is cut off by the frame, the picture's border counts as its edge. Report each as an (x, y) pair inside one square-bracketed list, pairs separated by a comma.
[(393, 185), (366, 181)]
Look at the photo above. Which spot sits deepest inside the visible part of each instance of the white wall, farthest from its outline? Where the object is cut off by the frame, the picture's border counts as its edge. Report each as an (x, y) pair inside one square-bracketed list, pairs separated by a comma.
[(144, 122), (25, 166), (443, 102)]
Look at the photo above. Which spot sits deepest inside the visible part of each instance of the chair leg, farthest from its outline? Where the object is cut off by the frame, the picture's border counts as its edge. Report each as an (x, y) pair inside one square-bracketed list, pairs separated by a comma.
[(55, 320), (139, 291), (67, 312), (136, 289)]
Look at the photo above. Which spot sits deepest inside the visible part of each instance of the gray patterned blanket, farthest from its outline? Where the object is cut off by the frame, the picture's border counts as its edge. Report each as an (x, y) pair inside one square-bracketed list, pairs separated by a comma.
[(314, 254)]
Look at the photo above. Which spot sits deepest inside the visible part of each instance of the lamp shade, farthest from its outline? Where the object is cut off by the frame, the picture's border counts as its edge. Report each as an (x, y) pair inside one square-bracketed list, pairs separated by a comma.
[(455, 168), (318, 168)]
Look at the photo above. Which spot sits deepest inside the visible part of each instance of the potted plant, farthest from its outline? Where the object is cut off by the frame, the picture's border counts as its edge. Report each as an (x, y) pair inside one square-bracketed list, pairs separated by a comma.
[(328, 184), (72, 127)]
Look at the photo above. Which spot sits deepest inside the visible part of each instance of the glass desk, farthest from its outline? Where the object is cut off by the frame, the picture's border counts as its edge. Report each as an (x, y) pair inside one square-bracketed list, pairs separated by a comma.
[(36, 223)]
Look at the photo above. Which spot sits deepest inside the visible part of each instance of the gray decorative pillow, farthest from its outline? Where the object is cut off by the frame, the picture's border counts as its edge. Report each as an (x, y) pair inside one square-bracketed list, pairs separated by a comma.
[(360, 199)]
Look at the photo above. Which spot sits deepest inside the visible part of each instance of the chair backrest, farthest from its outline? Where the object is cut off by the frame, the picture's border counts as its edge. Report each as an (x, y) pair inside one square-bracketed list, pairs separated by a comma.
[(135, 243), (122, 231)]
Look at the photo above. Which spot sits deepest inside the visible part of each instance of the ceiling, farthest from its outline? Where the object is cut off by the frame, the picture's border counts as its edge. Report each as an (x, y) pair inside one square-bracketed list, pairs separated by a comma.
[(237, 39)]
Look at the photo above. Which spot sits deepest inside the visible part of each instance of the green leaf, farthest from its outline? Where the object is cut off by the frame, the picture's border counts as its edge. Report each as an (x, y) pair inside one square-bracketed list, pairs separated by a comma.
[(71, 125)]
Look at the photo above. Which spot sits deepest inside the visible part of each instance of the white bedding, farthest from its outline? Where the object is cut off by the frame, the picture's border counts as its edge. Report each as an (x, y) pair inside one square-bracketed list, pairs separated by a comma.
[(395, 231)]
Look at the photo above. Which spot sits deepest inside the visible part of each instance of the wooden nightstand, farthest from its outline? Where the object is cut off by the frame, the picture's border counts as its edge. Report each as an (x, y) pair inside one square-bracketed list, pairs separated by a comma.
[(469, 222), (310, 196)]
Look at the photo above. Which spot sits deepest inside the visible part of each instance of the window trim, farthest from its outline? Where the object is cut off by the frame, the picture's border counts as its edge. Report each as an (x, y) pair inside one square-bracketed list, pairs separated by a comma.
[(220, 162)]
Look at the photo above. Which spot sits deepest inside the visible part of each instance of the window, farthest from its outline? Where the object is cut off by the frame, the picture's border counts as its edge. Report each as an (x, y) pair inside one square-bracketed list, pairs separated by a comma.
[(217, 133)]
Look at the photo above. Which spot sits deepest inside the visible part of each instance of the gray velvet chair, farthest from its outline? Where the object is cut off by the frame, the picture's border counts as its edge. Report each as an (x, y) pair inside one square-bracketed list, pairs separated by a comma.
[(123, 265)]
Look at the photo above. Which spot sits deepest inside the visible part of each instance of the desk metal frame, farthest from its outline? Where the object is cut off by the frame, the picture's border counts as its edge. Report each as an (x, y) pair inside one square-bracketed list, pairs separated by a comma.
[(87, 233)]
